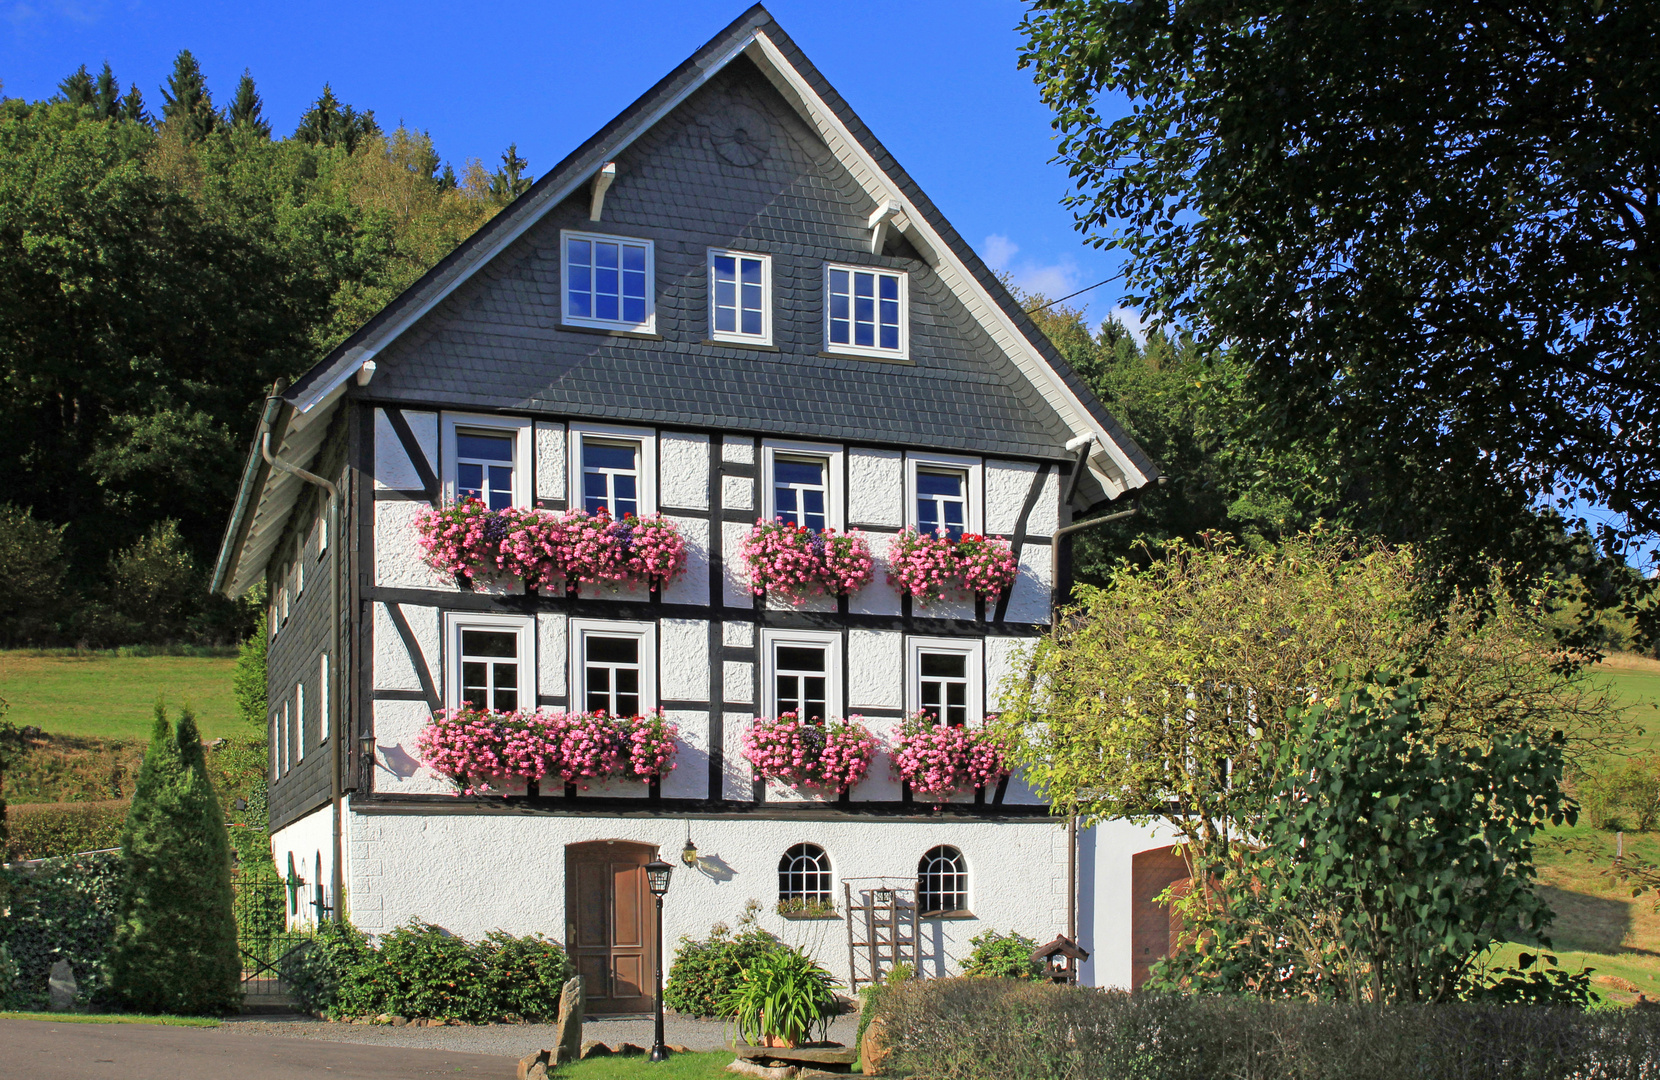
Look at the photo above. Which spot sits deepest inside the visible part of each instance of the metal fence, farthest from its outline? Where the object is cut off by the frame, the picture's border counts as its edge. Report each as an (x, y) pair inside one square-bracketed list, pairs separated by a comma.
[(262, 907)]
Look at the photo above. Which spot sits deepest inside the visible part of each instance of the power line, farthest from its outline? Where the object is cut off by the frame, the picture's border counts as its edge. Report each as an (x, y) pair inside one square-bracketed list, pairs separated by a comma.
[(1069, 296)]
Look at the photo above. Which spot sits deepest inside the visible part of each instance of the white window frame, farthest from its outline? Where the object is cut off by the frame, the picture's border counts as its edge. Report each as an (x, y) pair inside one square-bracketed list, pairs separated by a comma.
[(968, 884), (580, 629), (276, 745), (299, 720), (975, 487), (322, 531), (829, 640), (524, 625), (648, 326), (323, 699), (828, 896), (521, 429), (287, 739), (974, 649), (904, 350), (835, 468), (646, 437), (765, 336)]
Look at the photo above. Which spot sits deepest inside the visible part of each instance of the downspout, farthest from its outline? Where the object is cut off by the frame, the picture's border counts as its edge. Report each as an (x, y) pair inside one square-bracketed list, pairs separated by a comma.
[(1082, 445), (336, 732)]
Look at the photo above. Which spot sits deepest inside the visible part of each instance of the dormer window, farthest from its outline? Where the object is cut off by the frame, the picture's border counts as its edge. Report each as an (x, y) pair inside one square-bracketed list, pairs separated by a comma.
[(609, 282), (740, 297), (865, 312)]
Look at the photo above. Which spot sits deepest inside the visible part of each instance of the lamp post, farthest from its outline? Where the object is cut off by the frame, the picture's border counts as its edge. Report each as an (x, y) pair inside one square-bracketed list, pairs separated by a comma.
[(657, 879)]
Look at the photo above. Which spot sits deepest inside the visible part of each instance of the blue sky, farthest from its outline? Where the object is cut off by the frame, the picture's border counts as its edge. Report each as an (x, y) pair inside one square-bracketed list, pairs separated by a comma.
[(937, 83)]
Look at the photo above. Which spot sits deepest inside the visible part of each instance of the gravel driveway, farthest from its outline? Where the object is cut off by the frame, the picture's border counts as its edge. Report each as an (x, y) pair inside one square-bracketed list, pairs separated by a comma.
[(506, 1040)]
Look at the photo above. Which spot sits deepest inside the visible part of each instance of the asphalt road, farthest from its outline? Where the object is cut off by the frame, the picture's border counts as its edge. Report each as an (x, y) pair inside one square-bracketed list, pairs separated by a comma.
[(46, 1050)]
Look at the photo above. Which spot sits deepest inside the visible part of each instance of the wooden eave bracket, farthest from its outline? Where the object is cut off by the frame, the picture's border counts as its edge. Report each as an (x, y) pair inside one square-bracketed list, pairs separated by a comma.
[(880, 220), (602, 184)]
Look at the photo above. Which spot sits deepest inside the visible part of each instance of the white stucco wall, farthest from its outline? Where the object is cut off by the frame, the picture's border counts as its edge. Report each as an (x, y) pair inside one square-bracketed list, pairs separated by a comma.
[(393, 469), (683, 659), (691, 587), (480, 872), (550, 461), (394, 667), (398, 556), (1104, 854), (310, 842), (875, 488), (683, 477)]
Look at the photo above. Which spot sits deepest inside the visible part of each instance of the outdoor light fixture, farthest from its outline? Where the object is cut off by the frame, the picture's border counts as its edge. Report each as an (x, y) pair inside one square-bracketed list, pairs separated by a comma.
[(366, 746), (688, 854), (657, 879), (884, 895)]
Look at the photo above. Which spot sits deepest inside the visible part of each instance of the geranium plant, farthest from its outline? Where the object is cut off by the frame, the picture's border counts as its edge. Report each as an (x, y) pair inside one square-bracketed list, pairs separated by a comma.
[(937, 759), (935, 567), (478, 749), (548, 548), (832, 756), (787, 560), (462, 538)]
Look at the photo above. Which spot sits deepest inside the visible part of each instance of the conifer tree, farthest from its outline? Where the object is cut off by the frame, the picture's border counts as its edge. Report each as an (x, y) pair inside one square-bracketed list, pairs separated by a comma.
[(175, 945), (132, 107), (447, 180), (106, 95), (185, 98), (330, 123), (508, 182), (245, 110), (77, 88)]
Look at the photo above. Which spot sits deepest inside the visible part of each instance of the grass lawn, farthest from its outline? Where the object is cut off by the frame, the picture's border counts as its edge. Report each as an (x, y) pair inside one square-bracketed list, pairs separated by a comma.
[(678, 1067), (103, 695), (1636, 683), (112, 1018)]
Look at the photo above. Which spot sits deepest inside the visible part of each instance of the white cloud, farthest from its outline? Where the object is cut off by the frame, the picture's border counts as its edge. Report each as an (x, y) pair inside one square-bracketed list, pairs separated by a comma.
[(998, 250), (1053, 280)]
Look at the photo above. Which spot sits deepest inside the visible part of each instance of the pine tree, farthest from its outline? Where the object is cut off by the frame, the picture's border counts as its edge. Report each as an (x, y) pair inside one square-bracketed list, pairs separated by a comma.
[(330, 123), (175, 945), (77, 88), (447, 181), (507, 183), (248, 679), (106, 96), (185, 98), (132, 107), (245, 110)]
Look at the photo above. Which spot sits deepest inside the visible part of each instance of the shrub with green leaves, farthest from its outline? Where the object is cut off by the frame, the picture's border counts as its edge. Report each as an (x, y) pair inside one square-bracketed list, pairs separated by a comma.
[(52, 830), (63, 910), (705, 972), (782, 995), (317, 973), (1002, 956), (1623, 796)]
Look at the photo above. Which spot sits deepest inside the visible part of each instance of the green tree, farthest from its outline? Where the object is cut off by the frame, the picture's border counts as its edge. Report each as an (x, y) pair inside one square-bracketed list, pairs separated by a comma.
[(186, 102), (175, 945), (77, 87), (1387, 862), (132, 107), (1425, 234), (245, 110), (509, 182), (248, 683), (106, 95), (32, 552), (330, 123)]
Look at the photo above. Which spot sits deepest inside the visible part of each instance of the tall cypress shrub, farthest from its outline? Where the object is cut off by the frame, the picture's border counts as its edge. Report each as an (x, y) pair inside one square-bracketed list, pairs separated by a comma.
[(175, 946)]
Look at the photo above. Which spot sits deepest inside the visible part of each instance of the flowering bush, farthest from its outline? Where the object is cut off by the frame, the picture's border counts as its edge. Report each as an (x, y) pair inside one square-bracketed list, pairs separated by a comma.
[(545, 546), (833, 756), (478, 749), (934, 567), (937, 759), (795, 563)]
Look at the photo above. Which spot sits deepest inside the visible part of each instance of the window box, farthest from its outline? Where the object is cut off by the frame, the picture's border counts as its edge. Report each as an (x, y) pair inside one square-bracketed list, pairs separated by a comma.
[(610, 282), (831, 756), (935, 568), (479, 749), (796, 563), (807, 910), (548, 548), (938, 759), (866, 312)]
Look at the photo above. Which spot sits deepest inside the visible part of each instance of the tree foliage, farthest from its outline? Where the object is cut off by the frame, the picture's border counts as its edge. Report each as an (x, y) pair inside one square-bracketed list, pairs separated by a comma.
[(175, 945), (1426, 234), (1387, 858), (1164, 693)]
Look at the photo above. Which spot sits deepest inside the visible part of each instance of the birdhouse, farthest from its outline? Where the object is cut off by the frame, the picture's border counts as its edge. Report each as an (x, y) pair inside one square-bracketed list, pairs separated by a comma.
[(1060, 959)]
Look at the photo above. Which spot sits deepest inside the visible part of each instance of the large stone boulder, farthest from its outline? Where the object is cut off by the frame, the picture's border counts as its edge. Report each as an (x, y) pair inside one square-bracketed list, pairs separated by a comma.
[(571, 1004), (60, 987)]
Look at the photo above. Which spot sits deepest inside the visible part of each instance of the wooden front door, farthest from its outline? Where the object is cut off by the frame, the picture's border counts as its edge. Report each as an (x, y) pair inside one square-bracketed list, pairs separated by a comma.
[(611, 924), (1152, 924)]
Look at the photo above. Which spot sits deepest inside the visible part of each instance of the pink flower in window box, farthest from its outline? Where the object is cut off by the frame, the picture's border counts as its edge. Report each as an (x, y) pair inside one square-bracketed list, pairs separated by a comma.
[(832, 756), (936, 759), (794, 563)]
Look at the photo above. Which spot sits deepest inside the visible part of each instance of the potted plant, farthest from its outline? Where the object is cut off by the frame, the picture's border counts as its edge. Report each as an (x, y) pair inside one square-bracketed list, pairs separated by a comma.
[(936, 758), (781, 999)]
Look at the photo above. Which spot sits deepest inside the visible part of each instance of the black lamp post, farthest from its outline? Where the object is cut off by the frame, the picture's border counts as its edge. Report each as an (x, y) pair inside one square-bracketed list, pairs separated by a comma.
[(657, 879)]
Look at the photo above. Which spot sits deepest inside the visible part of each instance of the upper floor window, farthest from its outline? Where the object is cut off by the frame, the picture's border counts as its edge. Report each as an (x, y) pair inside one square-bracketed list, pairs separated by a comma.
[(491, 661), (942, 881), (943, 494), (943, 678), (801, 673), (609, 282), (802, 484), (487, 458), (484, 468), (611, 469), (865, 312), (740, 297), (613, 666)]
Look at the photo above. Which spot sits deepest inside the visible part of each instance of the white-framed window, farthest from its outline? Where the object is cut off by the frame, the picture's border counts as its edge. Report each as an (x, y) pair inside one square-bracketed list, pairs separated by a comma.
[(287, 737), (299, 570), (299, 721), (491, 661), (323, 531), (323, 700), (487, 458), (276, 744), (282, 600), (944, 676), (804, 875), (801, 673), (866, 311), (613, 666), (802, 483), (942, 491), (609, 282), (740, 297), (612, 469), (942, 881)]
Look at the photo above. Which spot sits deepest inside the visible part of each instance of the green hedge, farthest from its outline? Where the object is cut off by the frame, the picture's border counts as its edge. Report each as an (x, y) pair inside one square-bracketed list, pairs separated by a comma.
[(422, 970), (51, 830), (994, 1029), (66, 910)]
